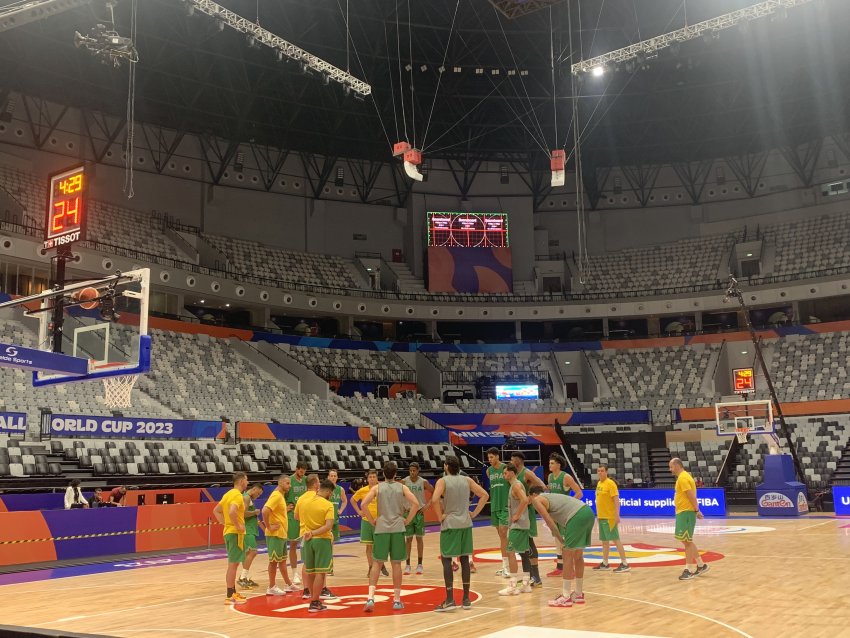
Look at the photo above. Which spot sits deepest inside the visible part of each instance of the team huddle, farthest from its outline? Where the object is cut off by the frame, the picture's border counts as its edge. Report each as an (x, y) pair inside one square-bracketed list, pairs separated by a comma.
[(304, 508)]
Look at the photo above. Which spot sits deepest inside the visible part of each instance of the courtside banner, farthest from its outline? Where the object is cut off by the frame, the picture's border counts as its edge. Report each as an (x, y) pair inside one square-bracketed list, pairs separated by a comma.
[(101, 427), (13, 422), (250, 430), (658, 502), (493, 429), (841, 498)]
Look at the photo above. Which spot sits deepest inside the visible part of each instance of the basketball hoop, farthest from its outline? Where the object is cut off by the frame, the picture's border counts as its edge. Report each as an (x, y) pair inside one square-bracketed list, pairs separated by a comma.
[(117, 390), (741, 433)]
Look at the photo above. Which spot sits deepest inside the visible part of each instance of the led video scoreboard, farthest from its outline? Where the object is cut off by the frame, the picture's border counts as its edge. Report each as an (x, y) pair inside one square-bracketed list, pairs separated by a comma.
[(468, 230)]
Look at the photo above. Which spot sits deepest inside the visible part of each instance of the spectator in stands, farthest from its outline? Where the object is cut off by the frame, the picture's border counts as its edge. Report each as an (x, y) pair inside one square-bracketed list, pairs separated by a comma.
[(301, 328), (647, 481), (117, 496), (630, 483), (96, 500), (700, 482), (74, 496)]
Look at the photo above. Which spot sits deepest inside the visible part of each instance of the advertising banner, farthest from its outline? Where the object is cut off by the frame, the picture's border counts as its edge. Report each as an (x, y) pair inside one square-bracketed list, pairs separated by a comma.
[(841, 497), (13, 422), (659, 502), (72, 426)]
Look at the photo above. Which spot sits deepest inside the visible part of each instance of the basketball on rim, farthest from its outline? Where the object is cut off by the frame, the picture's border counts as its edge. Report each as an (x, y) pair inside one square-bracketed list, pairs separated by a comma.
[(86, 298)]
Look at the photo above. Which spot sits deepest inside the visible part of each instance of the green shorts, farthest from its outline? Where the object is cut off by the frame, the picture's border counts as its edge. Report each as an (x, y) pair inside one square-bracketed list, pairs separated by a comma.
[(336, 530), (367, 532), (416, 527), (250, 543), (686, 522), (235, 554), (389, 545), (518, 540), (277, 548), (318, 555), (456, 542), (576, 533), (606, 532), (294, 528), (499, 518)]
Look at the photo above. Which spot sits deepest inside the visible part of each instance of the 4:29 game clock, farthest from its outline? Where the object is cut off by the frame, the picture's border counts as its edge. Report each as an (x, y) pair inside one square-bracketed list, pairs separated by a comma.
[(65, 219)]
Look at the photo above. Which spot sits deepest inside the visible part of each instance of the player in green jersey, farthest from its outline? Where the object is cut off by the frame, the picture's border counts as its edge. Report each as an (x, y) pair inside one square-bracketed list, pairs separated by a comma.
[(529, 479), (298, 485), (499, 504)]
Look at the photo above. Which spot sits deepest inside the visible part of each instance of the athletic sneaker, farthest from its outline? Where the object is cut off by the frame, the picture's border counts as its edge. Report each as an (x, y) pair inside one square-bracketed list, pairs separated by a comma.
[(369, 606), (316, 606), (702, 570), (601, 567), (536, 584), (251, 584), (305, 594), (407, 569), (275, 591), (291, 587), (327, 594), (455, 566), (472, 568), (555, 572), (246, 583), (561, 601), (686, 575), (397, 604), (419, 569), (504, 573), (384, 571), (235, 599), (622, 568), (510, 590), (296, 579), (445, 606), (526, 588), (467, 604), (578, 599)]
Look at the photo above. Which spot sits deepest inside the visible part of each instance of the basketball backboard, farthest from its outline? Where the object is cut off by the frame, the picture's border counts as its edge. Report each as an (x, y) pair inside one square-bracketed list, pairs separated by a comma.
[(754, 416), (112, 337)]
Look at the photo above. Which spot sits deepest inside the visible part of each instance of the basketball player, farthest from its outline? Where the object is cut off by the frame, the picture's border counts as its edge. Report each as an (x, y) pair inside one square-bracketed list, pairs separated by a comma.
[(456, 526), (561, 483), (311, 481), (571, 523), (528, 480), (518, 535), (499, 504), (367, 530), (608, 511), (421, 489), (339, 500), (252, 525), (277, 532), (687, 513), (230, 512), (298, 486), (317, 519), (393, 500)]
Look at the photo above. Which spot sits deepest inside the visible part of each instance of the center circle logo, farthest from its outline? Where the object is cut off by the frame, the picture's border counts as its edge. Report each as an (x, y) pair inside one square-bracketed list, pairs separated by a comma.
[(350, 600), (714, 530), (638, 555)]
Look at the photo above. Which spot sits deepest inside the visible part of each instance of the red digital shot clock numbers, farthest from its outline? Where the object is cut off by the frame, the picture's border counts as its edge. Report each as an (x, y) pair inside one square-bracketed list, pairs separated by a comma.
[(66, 208), (744, 380)]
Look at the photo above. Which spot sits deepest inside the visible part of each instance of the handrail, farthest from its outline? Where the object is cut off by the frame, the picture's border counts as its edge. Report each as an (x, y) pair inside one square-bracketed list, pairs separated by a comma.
[(365, 374)]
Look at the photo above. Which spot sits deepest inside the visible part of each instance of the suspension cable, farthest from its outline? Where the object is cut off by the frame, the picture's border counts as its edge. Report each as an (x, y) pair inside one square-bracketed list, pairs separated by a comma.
[(440, 73)]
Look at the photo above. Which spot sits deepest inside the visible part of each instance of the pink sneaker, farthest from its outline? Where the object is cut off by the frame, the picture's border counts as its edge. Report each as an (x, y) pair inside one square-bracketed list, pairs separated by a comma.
[(561, 601), (578, 599)]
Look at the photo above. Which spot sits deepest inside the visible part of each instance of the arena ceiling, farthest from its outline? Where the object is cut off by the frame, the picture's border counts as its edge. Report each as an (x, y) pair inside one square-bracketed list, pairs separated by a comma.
[(777, 82)]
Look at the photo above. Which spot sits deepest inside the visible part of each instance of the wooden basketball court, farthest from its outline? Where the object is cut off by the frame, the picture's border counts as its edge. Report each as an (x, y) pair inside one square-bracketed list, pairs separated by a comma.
[(768, 578)]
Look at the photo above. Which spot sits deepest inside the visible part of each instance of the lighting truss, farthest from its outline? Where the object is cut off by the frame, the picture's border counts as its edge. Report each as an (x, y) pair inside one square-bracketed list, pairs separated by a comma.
[(23, 12), (690, 32), (517, 8), (287, 49)]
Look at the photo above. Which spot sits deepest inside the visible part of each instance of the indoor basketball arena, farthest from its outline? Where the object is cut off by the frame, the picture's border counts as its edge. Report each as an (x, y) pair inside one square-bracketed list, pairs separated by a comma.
[(480, 318)]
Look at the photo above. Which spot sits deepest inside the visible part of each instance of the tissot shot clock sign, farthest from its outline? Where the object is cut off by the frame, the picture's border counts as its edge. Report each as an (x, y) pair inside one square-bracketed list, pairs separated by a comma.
[(743, 380), (66, 208)]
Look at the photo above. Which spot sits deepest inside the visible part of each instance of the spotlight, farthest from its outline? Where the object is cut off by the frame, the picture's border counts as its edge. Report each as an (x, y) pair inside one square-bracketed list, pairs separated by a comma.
[(524, 72), (479, 71), (407, 67), (494, 72), (511, 72), (456, 69), (598, 71), (423, 68), (441, 69)]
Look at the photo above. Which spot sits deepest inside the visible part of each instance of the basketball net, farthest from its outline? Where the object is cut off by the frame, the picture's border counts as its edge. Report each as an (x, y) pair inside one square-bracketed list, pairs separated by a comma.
[(117, 390), (741, 433)]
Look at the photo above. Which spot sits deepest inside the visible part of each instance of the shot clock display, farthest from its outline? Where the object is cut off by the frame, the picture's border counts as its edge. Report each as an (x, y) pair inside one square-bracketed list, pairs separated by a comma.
[(743, 380), (66, 208)]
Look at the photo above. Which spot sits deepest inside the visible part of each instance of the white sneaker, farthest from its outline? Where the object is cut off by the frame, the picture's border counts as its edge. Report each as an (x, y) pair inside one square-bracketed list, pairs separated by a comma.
[(525, 588), (504, 573), (510, 590), (275, 591), (291, 588), (296, 580)]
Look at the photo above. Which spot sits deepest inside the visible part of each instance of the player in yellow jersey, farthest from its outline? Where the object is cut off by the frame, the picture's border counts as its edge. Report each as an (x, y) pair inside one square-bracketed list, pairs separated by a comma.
[(230, 512), (608, 516), (277, 530), (316, 516), (687, 513), (367, 531)]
